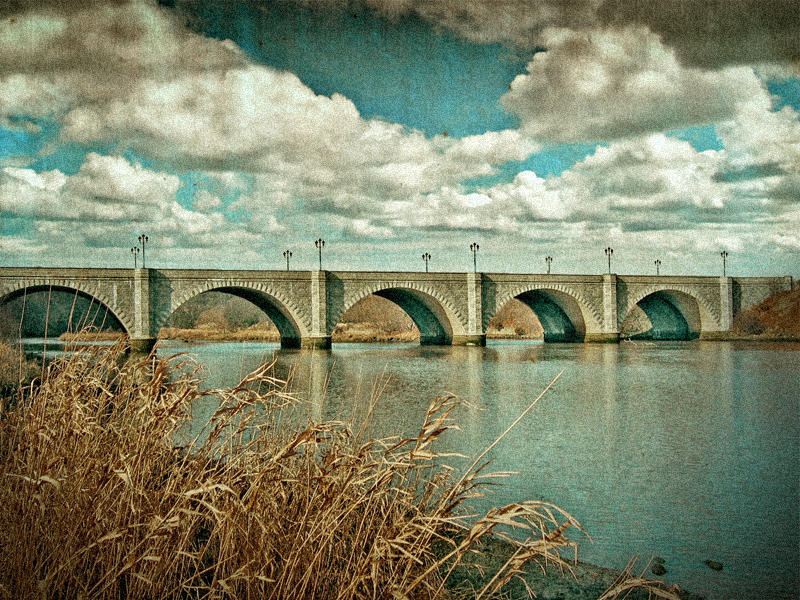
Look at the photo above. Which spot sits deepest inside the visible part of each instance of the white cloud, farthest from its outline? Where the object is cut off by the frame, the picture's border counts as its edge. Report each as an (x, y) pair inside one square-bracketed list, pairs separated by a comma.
[(609, 84), (133, 77), (116, 179), (655, 193), (101, 201), (757, 135)]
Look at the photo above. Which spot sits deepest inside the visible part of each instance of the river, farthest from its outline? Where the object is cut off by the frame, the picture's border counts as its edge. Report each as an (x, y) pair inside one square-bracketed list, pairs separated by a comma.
[(687, 451)]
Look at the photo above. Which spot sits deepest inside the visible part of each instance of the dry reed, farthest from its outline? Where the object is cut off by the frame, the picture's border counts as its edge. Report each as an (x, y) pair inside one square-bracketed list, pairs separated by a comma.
[(15, 369), (103, 496), (99, 502)]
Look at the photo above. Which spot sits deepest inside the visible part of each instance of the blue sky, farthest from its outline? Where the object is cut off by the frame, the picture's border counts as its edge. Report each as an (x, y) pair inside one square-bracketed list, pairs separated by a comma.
[(231, 131)]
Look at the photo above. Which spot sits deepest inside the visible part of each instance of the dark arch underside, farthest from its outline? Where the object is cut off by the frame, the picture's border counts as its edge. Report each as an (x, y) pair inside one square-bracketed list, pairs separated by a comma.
[(45, 310), (558, 327), (431, 330), (667, 320)]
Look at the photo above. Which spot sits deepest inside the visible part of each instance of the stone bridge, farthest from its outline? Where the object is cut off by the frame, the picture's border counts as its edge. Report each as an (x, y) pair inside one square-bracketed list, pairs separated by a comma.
[(448, 308)]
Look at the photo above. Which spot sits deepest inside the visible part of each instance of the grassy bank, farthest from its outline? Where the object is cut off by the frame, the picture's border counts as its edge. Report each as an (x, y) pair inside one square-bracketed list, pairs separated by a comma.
[(103, 495)]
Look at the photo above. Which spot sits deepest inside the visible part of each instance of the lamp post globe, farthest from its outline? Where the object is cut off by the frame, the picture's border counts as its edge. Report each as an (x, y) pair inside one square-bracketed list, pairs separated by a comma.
[(609, 253), (320, 244), (143, 239), (426, 257), (474, 247)]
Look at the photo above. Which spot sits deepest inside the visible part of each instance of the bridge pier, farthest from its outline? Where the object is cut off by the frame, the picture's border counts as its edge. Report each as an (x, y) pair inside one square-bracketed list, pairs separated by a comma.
[(610, 333), (475, 336), (142, 345), (142, 338), (474, 339), (322, 342)]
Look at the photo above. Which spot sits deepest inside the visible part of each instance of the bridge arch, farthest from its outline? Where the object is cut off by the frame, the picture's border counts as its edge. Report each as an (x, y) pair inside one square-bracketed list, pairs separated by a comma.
[(435, 317), (81, 289), (675, 312), (281, 311), (565, 315)]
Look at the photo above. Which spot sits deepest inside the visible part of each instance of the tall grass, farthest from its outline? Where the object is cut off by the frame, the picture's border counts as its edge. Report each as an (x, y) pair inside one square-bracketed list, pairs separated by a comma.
[(102, 495), (15, 369)]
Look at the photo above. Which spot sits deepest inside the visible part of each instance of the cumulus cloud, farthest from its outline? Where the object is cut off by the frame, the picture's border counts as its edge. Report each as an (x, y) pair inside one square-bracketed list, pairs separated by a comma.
[(106, 195), (489, 21), (56, 56), (655, 191), (607, 84), (757, 135), (708, 34), (133, 77), (714, 33), (277, 160)]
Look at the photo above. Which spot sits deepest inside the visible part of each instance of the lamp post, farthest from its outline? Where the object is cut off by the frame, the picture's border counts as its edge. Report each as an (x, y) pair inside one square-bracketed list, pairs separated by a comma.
[(320, 244), (143, 239), (474, 247), (135, 252), (548, 260), (609, 253), (287, 255), (724, 255), (658, 265), (426, 257)]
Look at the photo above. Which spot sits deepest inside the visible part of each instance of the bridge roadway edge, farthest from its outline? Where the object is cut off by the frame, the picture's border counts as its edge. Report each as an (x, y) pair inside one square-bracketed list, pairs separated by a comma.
[(142, 299)]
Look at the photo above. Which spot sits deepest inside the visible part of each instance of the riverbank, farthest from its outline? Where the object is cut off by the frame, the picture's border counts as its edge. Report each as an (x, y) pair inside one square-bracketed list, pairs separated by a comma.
[(359, 333), (583, 582)]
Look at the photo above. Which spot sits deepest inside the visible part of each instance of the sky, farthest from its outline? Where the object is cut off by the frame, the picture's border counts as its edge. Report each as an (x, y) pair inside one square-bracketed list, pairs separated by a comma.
[(231, 131)]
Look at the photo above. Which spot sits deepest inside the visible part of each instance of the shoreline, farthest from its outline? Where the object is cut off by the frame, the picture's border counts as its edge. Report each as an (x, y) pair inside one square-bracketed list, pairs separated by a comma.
[(586, 582), (350, 336)]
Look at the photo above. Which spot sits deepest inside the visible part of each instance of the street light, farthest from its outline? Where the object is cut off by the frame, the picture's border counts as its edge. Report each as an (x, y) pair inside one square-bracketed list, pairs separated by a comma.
[(474, 247), (657, 264), (548, 260), (135, 252), (287, 255), (724, 255), (320, 244), (143, 239), (426, 257), (609, 253)]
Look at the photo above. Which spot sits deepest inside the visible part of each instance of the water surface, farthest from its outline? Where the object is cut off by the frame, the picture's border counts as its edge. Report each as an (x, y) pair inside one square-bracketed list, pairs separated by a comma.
[(683, 450)]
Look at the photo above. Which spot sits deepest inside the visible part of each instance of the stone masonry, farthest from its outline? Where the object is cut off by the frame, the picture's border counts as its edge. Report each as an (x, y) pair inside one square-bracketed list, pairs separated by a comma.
[(448, 308)]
